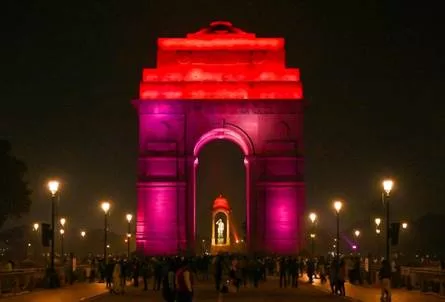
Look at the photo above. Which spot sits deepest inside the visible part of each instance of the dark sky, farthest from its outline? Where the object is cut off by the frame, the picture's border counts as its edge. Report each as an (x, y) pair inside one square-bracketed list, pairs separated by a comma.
[(373, 75)]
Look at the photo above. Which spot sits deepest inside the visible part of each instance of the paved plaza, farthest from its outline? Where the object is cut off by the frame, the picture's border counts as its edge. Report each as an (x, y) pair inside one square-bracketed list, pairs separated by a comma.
[(372, 293), (73, 293), (205, 292)]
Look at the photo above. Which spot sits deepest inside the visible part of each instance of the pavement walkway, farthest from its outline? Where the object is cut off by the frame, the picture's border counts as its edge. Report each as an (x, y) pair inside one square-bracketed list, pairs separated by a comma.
[(372, 294), (69, 293), (205, 292)]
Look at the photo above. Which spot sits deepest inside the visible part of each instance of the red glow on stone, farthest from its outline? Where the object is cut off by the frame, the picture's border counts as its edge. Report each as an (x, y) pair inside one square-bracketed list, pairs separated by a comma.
[(221, 62), (221, 203)]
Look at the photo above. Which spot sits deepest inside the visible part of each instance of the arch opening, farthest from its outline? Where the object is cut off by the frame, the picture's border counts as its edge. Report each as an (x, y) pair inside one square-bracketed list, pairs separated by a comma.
[(221, 166)]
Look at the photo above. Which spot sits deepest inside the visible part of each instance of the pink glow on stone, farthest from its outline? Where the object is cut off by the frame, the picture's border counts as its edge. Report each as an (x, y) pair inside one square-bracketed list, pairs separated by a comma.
[(281, 217), (222, 133), (249, 69)]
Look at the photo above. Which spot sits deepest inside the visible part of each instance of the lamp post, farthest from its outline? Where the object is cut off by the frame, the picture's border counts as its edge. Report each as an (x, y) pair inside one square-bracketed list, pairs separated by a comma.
[(378, 221), (313, 218), (105, 205), (387, 187), (53, 187), (313, 244), (62, 252), (62, 232), (357, 235), (337, 206), (129, 218)]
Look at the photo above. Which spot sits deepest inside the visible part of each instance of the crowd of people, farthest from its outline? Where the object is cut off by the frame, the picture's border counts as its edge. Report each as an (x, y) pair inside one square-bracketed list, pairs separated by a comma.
[(175, 276)]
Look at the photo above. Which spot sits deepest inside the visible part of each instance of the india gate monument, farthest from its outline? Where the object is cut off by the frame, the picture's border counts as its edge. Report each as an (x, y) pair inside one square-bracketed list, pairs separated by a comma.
[(220, 83)]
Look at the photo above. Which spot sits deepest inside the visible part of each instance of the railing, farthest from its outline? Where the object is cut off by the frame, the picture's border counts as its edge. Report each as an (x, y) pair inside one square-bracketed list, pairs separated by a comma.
[(23, 280), (427, 279)]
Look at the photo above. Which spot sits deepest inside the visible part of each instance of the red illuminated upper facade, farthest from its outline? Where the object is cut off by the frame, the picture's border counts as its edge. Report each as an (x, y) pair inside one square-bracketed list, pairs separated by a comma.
[(221, 62), (221, 203)]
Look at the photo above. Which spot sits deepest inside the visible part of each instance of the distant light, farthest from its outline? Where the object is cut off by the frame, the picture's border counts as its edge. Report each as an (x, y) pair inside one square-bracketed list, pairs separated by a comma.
[(377, 231), (62, 221), (377, 221), (354, 247), (404, 225), (357, 233), (62, 231), (35, 226), (129, 217)]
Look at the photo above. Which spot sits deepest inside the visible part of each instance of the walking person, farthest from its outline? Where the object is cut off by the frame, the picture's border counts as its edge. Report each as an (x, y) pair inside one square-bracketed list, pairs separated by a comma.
[(184, 283), (385, 281), (283, 272), (341, 278), (168, 283)]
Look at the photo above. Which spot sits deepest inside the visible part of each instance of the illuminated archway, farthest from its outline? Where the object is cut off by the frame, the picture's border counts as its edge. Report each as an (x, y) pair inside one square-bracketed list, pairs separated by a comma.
[(220, 83), (244, 143)]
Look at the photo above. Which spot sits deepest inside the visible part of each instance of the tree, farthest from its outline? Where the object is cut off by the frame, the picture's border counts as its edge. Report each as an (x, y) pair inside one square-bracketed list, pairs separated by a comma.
[(14, 192)]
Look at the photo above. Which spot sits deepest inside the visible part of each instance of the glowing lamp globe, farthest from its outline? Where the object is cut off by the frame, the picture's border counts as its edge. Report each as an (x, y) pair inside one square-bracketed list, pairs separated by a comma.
[(377, 221), (129, 217), (387, 185), (338, 205), (312, 217), (105, 205), (53, 186)]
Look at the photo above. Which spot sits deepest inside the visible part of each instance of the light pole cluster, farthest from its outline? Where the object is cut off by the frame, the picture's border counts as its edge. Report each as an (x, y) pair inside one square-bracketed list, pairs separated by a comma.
[(129, 218), (105, 205), (313, 218), (338, 205), (387, 187), (53, 187)]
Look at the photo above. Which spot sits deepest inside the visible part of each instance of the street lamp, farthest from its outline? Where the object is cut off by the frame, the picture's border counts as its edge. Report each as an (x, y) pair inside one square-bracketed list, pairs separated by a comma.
[(313, 243), (62, 233), (387, 187), (356, 234), (377, 231), (53, 187), (129, 218), (35, 227), (404, 225), (62, 222), (105, 205), (377, 221), (337, 206), (312, 217), (83, 234)]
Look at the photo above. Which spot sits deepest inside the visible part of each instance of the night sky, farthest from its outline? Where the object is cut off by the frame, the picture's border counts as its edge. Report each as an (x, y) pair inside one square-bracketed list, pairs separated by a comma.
[(373, 75)]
